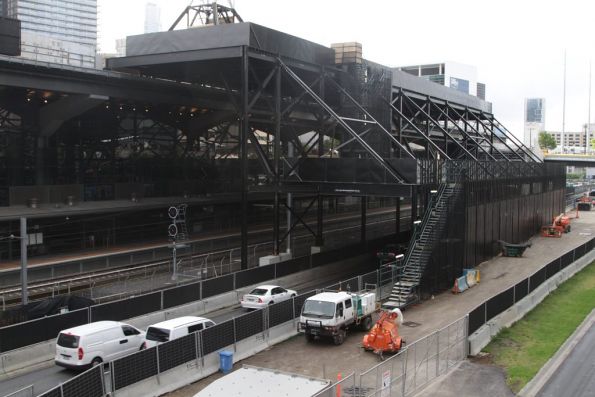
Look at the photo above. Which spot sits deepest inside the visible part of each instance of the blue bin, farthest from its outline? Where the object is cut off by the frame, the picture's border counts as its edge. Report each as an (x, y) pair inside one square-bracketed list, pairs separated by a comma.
[(225, 361)]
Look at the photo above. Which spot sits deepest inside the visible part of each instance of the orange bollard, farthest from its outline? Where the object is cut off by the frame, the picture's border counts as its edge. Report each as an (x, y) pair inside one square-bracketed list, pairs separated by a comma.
[(339, 385)]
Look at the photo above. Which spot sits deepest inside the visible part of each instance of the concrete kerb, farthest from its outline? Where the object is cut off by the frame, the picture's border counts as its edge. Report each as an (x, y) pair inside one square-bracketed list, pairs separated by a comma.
[(535, 385), (41, 354), (480, 338)]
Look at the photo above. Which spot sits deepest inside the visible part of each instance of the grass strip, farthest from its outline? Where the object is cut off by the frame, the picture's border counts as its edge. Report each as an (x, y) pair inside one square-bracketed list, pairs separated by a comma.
[(526, 346)]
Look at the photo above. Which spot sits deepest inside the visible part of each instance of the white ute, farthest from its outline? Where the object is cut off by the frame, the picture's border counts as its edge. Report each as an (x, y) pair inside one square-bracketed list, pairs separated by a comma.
[(330, 314)]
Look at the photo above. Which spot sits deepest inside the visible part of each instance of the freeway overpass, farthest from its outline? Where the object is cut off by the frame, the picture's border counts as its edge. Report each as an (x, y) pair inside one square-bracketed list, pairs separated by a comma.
[(574, 159)]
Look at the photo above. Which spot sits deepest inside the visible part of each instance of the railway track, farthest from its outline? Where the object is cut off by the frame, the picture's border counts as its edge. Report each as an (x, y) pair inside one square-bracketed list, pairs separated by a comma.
[(11, 295)]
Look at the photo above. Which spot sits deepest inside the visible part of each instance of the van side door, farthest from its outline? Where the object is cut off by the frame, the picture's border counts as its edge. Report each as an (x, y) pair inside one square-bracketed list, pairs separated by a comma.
[(131, 341)]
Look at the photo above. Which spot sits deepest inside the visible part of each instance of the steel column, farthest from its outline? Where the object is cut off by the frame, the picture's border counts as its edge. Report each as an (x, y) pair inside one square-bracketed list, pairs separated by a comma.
[(244, 127), (398, 216), (23, 236), (364, 202), (276, 156), (319, 231)]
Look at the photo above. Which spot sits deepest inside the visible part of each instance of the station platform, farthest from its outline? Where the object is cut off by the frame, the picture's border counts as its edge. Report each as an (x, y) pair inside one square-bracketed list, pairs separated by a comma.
[(497, 274), (120, 249)]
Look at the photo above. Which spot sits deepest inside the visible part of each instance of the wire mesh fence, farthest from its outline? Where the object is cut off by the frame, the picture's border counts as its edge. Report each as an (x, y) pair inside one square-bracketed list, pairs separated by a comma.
[(417, 364)]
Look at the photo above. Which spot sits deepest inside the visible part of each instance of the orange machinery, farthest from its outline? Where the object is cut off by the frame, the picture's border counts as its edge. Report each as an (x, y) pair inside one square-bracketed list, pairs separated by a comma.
[(384, 335), (560, 225)]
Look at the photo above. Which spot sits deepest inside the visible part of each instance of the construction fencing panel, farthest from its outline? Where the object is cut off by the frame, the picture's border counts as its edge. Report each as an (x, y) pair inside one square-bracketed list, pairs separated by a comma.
[(521, 290), (40, 330), (286, 268), (499, 303), (88, 384), (248, 324), (477, 318), (281, 312), (217, 285), (136, 367), (254, 276), (177, 352), (180, 295), (217, 337), (419, 363), (55, 392), (536, 279), (552, 268), (567, 258), (127, 308)]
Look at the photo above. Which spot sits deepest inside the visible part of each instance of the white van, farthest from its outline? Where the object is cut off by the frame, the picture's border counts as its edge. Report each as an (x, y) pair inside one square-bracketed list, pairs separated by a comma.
[(175, 328), (91, 344)]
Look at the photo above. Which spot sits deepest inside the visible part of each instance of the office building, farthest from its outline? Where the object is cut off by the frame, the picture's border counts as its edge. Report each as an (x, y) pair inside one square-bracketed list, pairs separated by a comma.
[(574, 142), (57, 31), (152, 18), (455, 75), (534, 121)]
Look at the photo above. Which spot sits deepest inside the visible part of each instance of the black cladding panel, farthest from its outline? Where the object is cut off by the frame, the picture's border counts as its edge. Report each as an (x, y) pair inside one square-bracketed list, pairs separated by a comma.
[(226, 36), (10, 36)]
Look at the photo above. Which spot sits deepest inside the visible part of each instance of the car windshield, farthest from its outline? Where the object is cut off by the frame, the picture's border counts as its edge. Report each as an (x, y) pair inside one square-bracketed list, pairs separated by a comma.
[(157, 334), (68, 340), (318, 309), (258, 291)]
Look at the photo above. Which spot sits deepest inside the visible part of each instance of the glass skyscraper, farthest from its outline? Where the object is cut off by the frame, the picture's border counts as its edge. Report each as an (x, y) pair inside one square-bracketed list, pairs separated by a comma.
[(57, 31)]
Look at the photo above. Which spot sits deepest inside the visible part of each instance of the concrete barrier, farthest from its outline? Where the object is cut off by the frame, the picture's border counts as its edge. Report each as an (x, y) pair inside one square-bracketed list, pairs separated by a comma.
[(41, 355), (460, 285), (480, 338), (193, 371)]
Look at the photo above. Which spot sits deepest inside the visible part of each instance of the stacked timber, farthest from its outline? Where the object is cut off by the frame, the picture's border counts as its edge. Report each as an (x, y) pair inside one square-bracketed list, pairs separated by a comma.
[(347, 52)]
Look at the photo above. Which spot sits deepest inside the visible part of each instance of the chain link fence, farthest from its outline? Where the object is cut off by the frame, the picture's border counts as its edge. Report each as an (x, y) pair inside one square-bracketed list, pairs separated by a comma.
[(409, 370)]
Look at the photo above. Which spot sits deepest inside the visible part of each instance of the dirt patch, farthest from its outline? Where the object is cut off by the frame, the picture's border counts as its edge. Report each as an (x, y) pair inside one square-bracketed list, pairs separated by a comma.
[(482, 358)]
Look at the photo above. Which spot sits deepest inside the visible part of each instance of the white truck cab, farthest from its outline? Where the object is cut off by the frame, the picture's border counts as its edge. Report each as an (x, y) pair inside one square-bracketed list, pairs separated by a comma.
[(330, 314)]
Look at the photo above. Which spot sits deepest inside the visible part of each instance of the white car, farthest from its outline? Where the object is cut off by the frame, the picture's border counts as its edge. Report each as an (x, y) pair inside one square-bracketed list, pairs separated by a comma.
[(264, 295), (174, 329), (95, 343)]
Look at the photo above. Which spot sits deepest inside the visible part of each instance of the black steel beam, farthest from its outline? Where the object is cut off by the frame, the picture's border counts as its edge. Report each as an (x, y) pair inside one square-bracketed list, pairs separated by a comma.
[(244, 131)]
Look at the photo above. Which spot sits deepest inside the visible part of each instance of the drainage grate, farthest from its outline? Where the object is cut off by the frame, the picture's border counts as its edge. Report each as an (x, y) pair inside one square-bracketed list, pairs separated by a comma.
[(411, 324)]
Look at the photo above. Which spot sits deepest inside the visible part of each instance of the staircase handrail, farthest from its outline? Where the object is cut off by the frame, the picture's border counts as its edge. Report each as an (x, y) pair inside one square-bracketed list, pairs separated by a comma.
[(417, 232)]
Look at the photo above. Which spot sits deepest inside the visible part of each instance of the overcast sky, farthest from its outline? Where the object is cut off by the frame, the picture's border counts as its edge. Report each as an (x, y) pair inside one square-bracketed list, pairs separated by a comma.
[(517, 45)]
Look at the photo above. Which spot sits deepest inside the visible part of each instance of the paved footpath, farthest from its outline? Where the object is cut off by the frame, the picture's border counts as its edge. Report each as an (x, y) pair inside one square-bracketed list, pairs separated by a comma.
[(324, 360)]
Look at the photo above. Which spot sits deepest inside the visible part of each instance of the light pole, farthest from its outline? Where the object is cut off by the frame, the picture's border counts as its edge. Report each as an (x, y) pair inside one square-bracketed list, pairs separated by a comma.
[(24, 238)]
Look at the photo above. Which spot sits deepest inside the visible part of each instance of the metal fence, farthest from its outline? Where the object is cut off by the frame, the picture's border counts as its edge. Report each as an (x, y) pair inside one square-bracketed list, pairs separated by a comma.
[(24, 392), (505, 299), (400, 375), (409, 370), (43, 329), (192, 349)]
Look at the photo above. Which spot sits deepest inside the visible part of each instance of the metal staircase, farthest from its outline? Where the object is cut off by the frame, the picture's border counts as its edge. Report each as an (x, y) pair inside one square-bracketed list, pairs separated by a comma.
[(422, 243)]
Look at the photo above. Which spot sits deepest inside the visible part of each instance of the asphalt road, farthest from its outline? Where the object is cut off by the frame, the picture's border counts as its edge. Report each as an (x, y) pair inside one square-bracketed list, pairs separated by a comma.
[(576, 376)]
